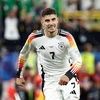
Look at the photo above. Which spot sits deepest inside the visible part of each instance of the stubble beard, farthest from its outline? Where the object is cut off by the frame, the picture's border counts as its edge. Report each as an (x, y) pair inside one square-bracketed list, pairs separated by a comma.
[(53, 33)]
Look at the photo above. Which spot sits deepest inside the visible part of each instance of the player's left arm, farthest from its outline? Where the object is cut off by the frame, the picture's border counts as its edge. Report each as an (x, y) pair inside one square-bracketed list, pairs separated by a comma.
[(76, 61), (75, 56)]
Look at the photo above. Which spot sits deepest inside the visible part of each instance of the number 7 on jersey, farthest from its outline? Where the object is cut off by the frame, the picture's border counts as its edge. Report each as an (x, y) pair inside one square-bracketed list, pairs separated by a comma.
[(52, 54)]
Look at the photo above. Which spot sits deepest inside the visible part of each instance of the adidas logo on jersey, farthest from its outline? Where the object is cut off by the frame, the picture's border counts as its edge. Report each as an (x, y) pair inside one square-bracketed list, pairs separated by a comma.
[(73, 92), (42, 47)]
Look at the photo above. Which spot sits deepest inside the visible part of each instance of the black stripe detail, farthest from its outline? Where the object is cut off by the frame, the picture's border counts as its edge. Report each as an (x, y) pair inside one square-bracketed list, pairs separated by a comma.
[(62, 34), (18, 73), (42, 75), (38, 35), (70, 75)]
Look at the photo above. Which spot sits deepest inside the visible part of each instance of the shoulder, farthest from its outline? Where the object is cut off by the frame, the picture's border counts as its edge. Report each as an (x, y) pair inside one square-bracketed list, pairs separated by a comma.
[(36, 34), (63, 33)]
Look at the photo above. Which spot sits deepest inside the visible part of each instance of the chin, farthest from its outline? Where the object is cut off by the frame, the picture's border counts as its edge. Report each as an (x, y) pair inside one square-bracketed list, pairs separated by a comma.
[(52, 31)]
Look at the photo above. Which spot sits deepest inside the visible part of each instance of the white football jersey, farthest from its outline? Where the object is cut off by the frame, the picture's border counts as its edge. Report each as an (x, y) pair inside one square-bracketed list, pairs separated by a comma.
[(53, 53)]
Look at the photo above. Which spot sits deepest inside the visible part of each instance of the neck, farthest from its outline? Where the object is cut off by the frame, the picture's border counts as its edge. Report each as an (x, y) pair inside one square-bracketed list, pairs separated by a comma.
[(51, 34)]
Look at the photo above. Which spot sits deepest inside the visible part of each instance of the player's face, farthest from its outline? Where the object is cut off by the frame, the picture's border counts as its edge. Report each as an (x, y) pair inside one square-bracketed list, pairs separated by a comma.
[(50, 23)]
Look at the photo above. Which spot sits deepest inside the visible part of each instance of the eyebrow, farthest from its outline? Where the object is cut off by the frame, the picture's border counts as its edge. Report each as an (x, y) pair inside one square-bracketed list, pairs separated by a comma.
[(49, 19), (53, 18)]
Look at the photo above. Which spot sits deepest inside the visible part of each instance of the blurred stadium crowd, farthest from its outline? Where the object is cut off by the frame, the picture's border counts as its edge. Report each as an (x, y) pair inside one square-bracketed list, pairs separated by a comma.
[(18, 18)]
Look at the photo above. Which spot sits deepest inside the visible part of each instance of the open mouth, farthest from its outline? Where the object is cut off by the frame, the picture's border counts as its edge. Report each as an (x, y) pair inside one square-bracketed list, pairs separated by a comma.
[(50, 26)]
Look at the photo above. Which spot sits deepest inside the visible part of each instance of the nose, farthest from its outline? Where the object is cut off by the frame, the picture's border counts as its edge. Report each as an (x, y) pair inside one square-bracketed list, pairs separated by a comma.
[(51, 22)]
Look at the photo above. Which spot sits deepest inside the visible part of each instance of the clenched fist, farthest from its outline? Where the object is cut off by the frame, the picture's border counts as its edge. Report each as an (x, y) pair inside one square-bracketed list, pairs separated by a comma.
[(20, 82), (63, 80)]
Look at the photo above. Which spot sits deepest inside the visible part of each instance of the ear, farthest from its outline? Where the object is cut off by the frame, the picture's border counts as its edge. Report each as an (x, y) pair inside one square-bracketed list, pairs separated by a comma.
[(58, 20)]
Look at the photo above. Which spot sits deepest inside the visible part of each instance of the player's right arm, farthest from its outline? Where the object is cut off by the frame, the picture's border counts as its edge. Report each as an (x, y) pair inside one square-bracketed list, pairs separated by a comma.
[(22, 59)]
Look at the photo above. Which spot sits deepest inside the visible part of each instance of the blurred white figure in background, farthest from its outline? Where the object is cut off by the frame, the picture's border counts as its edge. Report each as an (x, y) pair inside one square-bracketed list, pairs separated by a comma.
[(85, 4), (11, 33), (96, 4)]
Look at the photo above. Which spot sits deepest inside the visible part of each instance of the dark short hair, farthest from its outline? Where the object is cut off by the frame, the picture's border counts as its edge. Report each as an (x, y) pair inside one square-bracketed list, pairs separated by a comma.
[(48, 11), (27, 68)]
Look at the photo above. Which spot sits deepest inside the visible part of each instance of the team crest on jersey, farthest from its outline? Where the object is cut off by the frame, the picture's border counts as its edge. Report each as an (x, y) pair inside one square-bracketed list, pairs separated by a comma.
[(61, 45)]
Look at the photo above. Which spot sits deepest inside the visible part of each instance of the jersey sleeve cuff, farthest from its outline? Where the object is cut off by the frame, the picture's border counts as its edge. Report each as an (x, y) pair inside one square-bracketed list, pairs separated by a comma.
[(69, 74)]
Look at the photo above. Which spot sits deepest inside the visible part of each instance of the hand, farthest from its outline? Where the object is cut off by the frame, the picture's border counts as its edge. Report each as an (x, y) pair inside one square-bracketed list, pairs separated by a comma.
[(20, 82), (63, 80)]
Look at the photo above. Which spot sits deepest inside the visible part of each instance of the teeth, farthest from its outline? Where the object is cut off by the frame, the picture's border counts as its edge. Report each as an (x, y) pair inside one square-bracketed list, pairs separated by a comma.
[(50, 27)]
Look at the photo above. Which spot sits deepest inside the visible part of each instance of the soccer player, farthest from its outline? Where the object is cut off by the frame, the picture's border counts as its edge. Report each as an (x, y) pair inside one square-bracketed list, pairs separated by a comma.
[(55, 47)]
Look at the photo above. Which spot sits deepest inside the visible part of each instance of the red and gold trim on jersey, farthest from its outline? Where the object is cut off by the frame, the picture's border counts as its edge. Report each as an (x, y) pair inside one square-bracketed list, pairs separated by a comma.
[(75, 68), (21, 62), (71, 40), (30, 38)]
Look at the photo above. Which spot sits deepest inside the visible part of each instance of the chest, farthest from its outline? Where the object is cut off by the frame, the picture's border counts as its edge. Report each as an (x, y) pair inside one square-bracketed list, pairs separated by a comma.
[(51, 48)]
